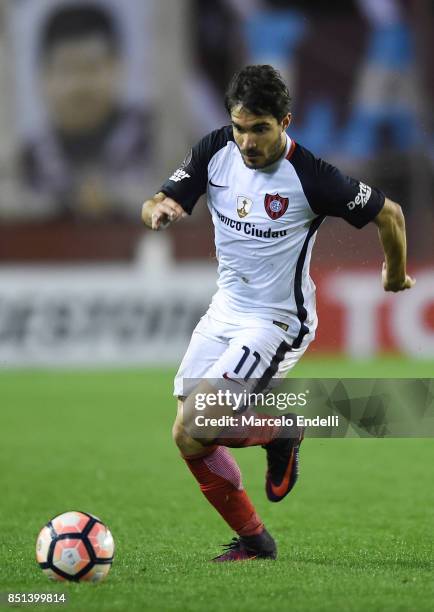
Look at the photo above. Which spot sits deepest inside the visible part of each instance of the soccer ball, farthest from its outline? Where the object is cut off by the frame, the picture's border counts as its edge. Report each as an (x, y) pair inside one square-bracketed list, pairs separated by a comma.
[(75, 546)]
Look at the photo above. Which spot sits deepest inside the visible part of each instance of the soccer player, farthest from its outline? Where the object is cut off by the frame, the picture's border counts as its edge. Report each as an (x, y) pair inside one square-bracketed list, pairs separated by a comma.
[(268, 196)]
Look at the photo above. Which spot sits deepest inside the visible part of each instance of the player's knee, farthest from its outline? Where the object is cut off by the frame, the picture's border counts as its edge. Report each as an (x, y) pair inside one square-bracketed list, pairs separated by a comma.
[(183, 441), (178, 434)]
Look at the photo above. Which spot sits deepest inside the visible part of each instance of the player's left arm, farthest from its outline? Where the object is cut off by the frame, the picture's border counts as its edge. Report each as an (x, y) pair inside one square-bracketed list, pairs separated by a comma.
[(329, 192), (391, 229)]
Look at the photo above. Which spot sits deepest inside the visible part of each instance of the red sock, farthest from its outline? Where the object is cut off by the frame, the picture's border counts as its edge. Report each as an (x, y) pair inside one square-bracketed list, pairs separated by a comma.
[(219, 478), (250, 435)]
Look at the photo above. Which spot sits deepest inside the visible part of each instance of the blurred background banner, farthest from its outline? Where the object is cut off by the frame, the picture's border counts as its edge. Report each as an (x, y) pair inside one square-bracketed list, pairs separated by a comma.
[(84, 106), (100, 102)]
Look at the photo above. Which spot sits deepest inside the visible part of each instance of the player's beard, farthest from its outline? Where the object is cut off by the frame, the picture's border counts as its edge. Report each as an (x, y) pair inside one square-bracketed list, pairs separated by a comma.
[(276, 152)]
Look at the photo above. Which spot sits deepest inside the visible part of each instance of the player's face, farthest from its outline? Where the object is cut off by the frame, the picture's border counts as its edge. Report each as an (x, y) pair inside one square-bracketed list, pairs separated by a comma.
[(260, 138), (80, 83)]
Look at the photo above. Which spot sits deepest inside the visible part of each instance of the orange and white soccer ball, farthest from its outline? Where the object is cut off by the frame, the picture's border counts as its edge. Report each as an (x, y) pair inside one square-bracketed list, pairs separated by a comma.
[(75, 546)]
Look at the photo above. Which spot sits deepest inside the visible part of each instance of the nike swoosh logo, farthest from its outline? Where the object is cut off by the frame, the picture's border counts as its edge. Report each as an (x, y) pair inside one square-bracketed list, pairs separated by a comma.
[(282, 488), (220, 186), (227, 377)]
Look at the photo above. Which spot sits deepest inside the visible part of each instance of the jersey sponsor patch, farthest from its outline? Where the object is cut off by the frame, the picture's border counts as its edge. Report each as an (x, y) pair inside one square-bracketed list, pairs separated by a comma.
[(275, 205), (250, 229), (362, 197), (243, 206), (178, 175)]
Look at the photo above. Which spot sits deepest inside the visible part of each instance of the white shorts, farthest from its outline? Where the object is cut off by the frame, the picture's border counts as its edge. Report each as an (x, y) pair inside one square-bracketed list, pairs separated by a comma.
[(256, 350)]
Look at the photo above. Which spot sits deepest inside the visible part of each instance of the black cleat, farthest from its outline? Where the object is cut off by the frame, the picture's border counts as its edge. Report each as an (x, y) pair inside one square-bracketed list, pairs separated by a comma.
[(247, 548), (282, 462)]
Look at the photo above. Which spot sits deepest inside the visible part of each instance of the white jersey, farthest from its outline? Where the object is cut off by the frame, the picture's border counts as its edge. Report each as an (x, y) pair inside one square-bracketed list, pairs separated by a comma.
[(265, 224)]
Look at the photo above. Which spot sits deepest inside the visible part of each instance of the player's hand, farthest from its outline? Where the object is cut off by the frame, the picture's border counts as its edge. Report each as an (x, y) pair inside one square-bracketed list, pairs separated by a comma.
[(160, 214), (166, 212), (393, 285)]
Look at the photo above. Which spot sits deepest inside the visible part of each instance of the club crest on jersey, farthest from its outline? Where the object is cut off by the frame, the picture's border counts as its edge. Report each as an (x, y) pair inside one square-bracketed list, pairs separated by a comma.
[(275, 205), (243, 206)]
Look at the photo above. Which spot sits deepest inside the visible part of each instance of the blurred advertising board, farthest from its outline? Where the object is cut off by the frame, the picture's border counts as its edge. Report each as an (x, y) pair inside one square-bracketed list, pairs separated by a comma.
[(100, 315), (358, 318), (135, 314)]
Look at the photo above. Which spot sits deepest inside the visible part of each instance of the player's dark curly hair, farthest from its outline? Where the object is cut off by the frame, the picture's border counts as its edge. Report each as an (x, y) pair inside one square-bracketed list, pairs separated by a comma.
[(259, 89)]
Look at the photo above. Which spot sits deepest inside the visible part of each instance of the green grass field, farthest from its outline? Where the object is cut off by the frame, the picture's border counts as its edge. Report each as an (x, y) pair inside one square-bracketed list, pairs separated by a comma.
[(356, 533)]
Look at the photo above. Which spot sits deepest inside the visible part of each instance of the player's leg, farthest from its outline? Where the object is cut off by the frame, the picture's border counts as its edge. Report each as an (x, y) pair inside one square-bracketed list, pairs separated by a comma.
[(282, 445), (264, 352), (283, 452), (213, 466), (220, 481)]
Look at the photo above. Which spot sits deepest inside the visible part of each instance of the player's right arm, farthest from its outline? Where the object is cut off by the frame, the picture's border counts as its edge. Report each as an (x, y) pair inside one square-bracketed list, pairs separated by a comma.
[(160, 211), (179, 193)]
